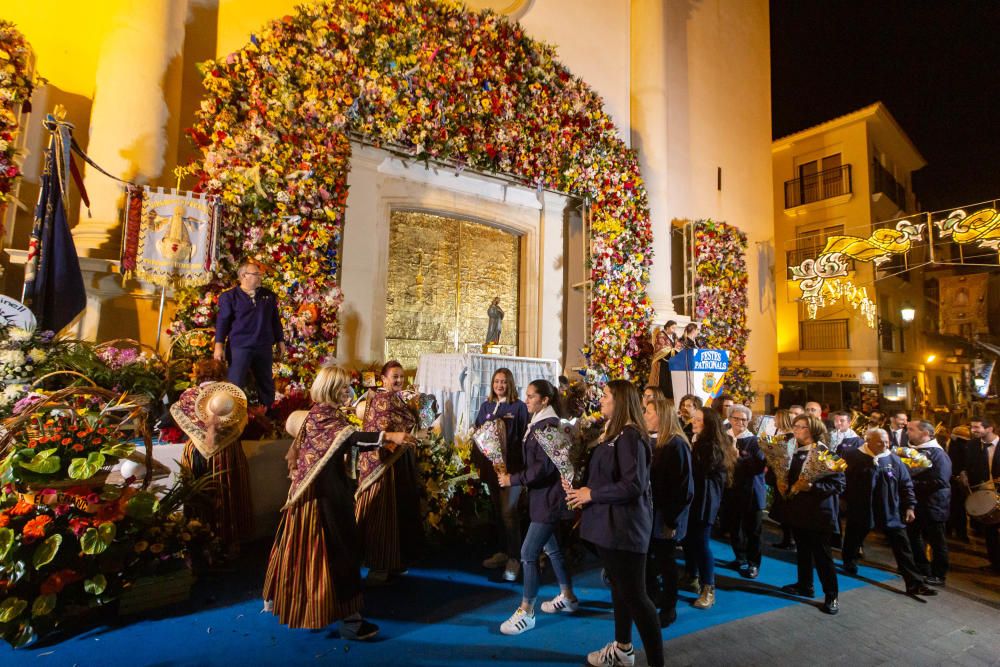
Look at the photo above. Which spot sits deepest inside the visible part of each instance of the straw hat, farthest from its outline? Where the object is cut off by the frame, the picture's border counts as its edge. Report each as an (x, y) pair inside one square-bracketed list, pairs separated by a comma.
[(295, 421), (220, 401)]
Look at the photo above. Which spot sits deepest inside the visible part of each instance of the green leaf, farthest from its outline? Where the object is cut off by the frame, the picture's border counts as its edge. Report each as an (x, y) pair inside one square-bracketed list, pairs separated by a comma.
[(120, 449), (107, 531), (11, 608), (91, 543), (6, 541), (142, 505), (44, 463), (8, 464), (86, 468), (43, 605), (96, 585), (46, 551)]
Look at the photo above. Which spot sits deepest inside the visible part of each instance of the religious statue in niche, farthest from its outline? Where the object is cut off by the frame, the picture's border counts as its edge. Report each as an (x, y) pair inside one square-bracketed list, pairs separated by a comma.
[(496, 322)]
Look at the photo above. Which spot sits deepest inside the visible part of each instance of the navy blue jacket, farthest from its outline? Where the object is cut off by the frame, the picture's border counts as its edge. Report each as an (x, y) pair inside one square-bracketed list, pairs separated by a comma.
[(933, 485), (748, 477), (709, 485), (246, 322), (515, 421), (620, 515), (815, 509), (852, 443), (546, 498), (978, 468), (673, 487), (879, 490), (958, 452)]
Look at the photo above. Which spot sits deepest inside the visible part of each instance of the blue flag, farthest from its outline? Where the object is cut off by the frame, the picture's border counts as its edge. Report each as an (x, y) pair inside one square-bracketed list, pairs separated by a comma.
[(53, 284)]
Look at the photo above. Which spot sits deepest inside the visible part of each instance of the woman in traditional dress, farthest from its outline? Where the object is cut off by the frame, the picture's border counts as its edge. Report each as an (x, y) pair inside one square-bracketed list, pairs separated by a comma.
[(504, 404), (314, 573), (547, 505), (618, 519), (388, 500), (213, 415)]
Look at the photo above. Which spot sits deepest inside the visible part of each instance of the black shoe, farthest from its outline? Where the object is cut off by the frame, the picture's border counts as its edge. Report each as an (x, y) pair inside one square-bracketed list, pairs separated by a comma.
[(793, 589), (752, 572), (921, 589), (360, 632), (934, 581), (667, 617), (830, 605), (850, 567)]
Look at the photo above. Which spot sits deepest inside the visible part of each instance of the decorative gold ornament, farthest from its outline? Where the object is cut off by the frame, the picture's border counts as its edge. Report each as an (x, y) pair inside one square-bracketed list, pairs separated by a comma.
[(982, 228)]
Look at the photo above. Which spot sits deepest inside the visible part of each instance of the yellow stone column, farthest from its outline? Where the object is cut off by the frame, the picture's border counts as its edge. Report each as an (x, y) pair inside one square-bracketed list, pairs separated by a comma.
[(128, 123)]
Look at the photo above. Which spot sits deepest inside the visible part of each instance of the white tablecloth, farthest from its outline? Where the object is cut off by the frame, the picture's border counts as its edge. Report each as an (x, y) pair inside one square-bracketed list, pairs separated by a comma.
[(461, 382)]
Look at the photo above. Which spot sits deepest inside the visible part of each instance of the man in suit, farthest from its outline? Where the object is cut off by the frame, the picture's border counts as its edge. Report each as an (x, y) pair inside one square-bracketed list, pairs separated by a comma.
[(933, 490), (983, 472), (897, 429), (247, 328)]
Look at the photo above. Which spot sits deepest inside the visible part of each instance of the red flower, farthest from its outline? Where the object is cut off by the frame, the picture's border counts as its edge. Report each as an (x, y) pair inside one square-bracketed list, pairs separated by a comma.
[(35, 529), (66, 441), (4, 519), (77, 447), (102, 431), (58, 580), (79, 526), (22, 507)]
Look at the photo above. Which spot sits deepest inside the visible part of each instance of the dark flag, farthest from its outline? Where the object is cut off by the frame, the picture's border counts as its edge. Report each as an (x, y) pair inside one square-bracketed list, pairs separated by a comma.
[(53, 284)]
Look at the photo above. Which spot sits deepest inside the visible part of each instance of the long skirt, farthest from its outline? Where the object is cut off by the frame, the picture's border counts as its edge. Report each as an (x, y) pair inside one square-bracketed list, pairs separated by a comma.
[(388, 515), (228, 510), (299, 580)]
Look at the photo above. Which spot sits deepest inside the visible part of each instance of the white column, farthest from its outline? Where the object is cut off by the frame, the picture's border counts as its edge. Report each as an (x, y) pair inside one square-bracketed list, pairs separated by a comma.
[(551, 278), (648, 116), (130, 113)]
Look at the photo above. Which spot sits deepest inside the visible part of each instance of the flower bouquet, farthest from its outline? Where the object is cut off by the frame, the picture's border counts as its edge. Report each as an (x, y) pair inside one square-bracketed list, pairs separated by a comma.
[(913, 458), (778, 453), (489, 438), (818, 464), (557, 443)]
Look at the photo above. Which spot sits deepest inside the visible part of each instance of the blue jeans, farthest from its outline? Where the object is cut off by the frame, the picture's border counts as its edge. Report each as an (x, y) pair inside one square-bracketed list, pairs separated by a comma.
[(699, 540), (541, 536)]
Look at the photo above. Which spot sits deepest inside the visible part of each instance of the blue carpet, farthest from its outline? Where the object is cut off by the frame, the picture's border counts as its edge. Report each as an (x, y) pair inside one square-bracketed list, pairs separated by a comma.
[(448, 612)]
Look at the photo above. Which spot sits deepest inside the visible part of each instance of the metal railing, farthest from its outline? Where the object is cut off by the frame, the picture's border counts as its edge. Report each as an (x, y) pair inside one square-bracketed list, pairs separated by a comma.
[(886, 183), (815, 187), (824, 335)]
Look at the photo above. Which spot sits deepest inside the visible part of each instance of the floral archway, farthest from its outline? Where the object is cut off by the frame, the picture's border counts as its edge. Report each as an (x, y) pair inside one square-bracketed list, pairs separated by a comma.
[(437, 82)]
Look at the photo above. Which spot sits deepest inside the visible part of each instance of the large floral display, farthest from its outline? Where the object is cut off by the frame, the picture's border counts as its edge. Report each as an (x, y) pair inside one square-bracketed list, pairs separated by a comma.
[(722, 299), (15, 89), (438, 83)]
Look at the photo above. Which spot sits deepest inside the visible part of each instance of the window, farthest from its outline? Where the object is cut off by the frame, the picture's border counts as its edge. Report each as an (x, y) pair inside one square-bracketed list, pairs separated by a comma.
[(824, 335)]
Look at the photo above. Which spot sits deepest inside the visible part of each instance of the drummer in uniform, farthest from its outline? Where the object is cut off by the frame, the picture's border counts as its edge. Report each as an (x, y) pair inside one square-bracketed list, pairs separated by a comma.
[(983, 474)]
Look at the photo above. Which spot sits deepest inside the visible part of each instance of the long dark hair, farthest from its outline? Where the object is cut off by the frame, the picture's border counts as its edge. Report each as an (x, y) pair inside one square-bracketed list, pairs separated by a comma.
[(511, 385), (713, 449), (628, 410), (544, 389)]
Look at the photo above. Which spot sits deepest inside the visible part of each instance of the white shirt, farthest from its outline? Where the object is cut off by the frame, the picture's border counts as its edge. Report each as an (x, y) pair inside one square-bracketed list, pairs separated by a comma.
[(990, 451)]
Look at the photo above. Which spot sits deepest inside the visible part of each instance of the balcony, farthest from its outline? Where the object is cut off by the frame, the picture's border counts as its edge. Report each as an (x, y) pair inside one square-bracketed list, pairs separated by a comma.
[(886, 183), (824, 335), (816, 187)]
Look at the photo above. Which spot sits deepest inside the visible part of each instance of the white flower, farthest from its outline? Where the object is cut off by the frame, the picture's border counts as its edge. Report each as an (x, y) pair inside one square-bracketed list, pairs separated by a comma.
[(11, 394), (12, 358), (18, 335)]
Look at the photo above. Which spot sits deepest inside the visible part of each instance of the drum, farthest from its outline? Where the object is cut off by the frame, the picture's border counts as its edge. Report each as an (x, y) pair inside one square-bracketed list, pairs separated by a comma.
[(984, 506)]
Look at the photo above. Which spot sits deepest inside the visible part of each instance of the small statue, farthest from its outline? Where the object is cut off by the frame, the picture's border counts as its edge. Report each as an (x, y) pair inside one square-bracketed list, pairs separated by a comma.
[(496, 320)]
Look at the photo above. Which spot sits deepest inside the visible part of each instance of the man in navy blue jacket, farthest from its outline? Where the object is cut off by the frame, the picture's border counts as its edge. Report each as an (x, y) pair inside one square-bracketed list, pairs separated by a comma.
[(248, 325), (880, 495), (933, 490)]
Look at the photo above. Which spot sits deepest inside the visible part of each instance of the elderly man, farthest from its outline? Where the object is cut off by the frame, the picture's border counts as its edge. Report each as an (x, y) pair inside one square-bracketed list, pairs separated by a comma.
[(249, 325), (842, 434), (880, 495), (933, 490), (983, 471), (745, 500), (897, 426)]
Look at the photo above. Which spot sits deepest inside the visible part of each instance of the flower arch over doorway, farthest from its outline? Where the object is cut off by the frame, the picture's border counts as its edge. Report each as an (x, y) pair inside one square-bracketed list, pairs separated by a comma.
[(438, 82)]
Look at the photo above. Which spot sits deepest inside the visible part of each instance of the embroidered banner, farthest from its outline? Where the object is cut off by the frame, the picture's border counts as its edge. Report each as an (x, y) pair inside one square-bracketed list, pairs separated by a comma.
[(170, 237)]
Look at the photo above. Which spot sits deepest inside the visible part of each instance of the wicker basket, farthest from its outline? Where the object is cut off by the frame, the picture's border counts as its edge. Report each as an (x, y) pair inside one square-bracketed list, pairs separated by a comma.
[(148, 593)]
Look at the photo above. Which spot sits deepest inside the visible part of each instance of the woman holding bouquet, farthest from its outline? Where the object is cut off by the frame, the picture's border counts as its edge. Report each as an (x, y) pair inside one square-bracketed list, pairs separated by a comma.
[(713, 458), (504, 404), (547, 505), (314, 573), (810, 509), (618, 520), (388, 502)]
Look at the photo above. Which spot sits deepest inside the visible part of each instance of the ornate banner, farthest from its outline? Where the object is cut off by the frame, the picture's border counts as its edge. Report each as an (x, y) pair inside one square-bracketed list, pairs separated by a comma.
[(170, 237), (963, 304), (981, 228)]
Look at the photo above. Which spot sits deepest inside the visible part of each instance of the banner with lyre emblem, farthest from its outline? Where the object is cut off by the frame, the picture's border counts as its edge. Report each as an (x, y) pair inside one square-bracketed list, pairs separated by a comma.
[(170, 236)]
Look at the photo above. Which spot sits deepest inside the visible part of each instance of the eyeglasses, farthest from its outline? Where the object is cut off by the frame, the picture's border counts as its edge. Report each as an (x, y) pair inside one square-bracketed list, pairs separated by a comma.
[(247, 273)]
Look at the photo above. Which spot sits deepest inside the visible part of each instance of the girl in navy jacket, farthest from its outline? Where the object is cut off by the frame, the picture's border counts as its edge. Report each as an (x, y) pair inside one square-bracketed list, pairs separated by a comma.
[(618, 519), (547, 505)]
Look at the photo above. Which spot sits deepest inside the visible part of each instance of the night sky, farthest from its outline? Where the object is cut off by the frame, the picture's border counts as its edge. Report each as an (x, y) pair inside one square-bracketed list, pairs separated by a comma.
[(934, 64)]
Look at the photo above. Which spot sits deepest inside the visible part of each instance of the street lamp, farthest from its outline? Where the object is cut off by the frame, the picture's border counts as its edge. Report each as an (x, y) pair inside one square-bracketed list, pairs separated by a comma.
[(907, 312)]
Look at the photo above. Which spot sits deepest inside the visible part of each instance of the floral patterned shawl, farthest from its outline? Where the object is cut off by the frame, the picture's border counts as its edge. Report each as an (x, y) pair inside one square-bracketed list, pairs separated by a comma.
[(325, 431), (384, 411)]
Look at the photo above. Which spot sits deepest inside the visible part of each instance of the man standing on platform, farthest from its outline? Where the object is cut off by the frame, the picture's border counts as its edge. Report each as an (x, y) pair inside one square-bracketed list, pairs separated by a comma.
[(933, 490), (248, 321)]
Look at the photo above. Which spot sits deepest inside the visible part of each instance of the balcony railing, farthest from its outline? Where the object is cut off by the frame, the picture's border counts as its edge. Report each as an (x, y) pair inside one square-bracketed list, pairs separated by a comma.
[(886, 183), (815, 187), (824, 335)]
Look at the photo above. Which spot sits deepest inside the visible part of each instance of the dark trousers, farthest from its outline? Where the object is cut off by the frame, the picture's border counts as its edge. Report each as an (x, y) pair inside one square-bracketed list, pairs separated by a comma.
[(506, 517), (958, 524), (923, 533), (992, 535), (899, 543), (627, 572), (661, 573), (744, 534), (699, 541), (813, 549), (257, 360)]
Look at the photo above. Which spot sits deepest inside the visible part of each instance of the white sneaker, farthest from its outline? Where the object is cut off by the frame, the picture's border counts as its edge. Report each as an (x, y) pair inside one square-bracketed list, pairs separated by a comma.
[(560, 603), (497, 560), (518, 622), (511, 571), (612, 656)]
